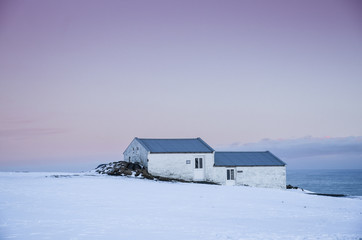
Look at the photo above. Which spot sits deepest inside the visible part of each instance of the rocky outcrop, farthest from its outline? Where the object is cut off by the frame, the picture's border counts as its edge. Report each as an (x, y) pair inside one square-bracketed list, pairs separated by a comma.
[(293, 187), (122, 168)]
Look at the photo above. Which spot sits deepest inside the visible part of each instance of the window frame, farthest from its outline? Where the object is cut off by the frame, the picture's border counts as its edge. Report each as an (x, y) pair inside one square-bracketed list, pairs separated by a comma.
[(199, 163), (230, 174)]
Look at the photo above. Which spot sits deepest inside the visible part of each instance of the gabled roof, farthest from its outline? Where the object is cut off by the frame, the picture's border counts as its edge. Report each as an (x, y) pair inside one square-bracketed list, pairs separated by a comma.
[(186, 145), (247, 159)]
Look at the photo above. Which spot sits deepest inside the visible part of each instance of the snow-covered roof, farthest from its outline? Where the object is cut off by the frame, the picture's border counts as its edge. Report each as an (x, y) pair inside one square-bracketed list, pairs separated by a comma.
[(247, 159), (185, 145)]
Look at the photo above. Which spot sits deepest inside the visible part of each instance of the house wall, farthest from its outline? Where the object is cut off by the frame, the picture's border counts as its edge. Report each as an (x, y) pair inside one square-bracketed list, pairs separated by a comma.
[(136, 153), (174, 165), (269, 177)]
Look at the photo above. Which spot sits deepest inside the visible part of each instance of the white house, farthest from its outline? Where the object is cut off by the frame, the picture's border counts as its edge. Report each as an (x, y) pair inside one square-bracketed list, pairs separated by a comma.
[(194, 160)]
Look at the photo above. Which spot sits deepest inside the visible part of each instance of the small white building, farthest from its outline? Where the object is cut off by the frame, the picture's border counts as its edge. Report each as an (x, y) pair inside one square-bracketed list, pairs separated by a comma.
[(193, 159)]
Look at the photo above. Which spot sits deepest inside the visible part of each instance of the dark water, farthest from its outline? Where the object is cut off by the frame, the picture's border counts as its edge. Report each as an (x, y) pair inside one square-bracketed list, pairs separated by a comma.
[(348, 182)]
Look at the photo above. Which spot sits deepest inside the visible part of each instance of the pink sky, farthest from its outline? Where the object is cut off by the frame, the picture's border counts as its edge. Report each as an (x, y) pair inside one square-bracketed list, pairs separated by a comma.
[(80, 79)]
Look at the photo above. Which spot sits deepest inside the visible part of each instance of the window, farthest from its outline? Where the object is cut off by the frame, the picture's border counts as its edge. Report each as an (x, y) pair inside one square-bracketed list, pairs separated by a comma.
[(188, 161), (198, 163), (230, 174)]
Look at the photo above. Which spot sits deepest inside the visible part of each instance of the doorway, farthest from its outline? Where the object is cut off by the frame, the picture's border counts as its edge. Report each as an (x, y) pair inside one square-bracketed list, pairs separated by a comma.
[(199, 168), (230, 176)]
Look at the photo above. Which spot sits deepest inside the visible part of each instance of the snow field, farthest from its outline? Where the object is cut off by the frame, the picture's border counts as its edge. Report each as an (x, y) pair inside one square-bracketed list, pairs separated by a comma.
[(39, 206)]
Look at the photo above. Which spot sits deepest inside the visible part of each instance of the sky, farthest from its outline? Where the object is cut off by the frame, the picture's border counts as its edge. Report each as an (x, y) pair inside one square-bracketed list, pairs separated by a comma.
[(80, 79)]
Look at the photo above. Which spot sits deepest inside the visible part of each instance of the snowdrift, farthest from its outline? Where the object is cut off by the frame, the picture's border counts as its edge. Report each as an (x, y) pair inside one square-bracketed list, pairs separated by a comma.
[(35, 206)]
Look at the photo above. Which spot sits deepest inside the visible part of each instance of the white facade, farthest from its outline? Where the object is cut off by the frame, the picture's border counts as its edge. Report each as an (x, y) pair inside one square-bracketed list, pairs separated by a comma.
[(136, 153), (254, 176), (184, 166)]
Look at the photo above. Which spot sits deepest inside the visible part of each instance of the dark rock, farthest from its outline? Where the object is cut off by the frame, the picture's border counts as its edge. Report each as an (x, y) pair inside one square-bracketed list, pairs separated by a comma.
[(328, 194), (291, 187), (123, 168), (165, 179), (113, 173), (138, 172), (127, 172), (146, 174), (101, 166), (137, 167), (130, 166)]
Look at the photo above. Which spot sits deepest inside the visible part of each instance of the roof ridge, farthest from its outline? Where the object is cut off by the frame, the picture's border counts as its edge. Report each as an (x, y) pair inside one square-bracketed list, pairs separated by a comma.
[(143, 143), (169, 145), (207, 145), (166, 138), (241, 151), (277, 158), (251, 158)]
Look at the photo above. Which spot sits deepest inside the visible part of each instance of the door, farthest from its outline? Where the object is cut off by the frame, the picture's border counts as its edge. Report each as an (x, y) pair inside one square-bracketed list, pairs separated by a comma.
[(230, 176), (199, 170)]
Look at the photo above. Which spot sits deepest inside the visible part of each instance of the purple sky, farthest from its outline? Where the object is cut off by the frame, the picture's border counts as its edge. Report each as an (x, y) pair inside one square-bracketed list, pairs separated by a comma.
[(80, 79)]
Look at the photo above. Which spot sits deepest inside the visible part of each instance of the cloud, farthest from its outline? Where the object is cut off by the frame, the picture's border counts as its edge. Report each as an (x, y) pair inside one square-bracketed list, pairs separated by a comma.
[(27, 132), (342, 152)]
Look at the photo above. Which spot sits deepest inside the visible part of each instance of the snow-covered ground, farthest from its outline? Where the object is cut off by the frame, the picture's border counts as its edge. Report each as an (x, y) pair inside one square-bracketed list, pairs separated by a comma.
[(33, 206)]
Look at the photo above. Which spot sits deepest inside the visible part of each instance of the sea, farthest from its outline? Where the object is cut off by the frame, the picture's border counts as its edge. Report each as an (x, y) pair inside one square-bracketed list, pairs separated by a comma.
[(345, 181)]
